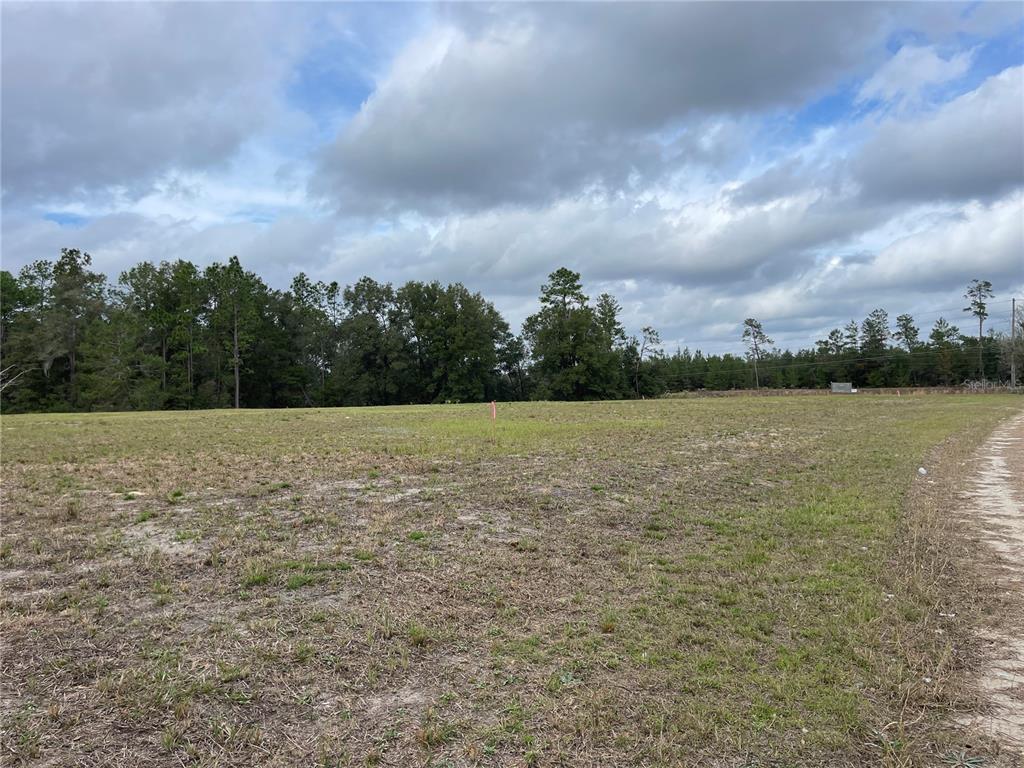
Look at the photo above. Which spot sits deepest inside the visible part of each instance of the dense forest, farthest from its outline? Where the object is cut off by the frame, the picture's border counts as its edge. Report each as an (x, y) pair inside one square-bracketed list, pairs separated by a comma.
[(176, 336)]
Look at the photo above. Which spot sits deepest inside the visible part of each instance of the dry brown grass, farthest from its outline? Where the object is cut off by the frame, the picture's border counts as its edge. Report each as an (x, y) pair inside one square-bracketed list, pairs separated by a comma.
[(661, 583)]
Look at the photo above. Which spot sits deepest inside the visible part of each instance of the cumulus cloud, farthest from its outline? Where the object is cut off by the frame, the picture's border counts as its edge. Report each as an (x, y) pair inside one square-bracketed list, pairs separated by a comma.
[(524, 104), (709, 242), (276, 250), (112, 95), (704, 162), (912, 70), (972, 146), (973, 239)]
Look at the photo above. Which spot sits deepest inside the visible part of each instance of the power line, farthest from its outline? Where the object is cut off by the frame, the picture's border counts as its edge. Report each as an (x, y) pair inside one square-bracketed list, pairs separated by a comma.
[(940, 312), (965, 349), (993, 322)]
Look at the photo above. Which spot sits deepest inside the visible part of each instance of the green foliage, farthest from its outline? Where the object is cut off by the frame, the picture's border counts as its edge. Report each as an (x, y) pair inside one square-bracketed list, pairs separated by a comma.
[(906, 332), (54, 305), (170, 335), (978, 293), (577, 350), (755, 340)]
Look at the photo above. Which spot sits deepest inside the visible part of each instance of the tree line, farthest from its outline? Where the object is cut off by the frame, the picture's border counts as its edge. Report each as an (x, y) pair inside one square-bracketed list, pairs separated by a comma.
[(174, 336)]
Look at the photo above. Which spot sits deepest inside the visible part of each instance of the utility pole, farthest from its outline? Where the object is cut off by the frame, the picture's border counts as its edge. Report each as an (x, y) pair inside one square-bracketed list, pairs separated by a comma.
[(1013, 343)]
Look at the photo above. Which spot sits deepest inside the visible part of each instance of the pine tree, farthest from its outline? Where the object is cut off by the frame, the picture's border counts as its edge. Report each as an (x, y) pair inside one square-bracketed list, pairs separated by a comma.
[(756, 340), (977, 293)]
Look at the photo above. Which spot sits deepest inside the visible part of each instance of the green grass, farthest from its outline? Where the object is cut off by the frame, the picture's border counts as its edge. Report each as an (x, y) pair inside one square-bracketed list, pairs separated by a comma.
[(299, 580), (144, 515), (635, 583), (256, 575)]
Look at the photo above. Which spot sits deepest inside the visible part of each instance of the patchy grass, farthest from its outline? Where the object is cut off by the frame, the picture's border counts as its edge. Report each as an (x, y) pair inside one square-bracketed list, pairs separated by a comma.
[(679, 582)]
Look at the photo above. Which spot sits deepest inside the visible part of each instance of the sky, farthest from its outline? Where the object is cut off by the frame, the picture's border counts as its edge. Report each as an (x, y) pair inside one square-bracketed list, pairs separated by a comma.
[(801, 163)]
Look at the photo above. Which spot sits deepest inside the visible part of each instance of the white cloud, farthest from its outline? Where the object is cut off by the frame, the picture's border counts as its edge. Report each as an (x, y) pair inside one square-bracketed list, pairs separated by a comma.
[(975, 240), (972, 146), (112, 96), (912, 70), (523, 104), (628, 142)]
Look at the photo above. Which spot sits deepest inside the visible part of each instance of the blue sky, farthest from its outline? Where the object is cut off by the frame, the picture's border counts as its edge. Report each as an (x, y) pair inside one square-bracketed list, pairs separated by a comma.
[(801, 163)]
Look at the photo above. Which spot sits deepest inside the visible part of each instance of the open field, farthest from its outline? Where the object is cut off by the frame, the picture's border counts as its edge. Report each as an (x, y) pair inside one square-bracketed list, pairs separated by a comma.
[(679, 582)]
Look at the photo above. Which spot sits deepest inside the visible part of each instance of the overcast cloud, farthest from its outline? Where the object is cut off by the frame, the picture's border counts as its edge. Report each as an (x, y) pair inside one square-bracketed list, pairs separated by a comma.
[(799, 162)]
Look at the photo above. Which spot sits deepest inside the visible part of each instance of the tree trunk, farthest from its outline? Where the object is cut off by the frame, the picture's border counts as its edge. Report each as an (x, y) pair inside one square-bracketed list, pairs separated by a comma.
[(639, 361), (981, 360), (757, 379), (163, 358), (323, 373), (188, 359), (73, 383), (234, 343)]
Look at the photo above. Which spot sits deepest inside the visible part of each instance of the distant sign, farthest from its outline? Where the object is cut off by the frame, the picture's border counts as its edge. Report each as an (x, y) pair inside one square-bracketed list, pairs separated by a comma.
[(843, 387)]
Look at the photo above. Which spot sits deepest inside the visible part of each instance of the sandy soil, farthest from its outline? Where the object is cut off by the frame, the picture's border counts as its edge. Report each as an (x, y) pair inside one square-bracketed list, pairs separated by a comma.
[(995, 497)]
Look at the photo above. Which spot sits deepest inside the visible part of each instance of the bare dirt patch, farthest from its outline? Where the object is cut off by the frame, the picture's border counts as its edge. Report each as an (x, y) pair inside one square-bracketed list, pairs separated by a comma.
[(148, 535)]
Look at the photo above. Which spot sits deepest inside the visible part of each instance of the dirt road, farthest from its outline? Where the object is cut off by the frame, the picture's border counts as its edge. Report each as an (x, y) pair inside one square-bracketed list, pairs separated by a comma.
[(995, 500)]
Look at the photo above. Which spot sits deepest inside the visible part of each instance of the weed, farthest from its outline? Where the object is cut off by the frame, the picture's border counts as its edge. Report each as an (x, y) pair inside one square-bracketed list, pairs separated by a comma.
[(170, 738), (72, 509), (433, 732), (419, 635), (256, 574), (229, 673), (162, 591), (608, 622), (962, 760)]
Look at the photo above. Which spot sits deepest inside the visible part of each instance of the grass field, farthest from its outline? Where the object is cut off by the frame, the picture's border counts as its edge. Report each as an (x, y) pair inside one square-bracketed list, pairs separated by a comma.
[(690, 582)]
